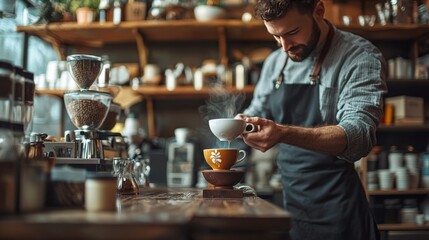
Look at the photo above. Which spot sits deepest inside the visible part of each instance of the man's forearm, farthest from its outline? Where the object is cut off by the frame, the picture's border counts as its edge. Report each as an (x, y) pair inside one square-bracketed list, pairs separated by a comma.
[(327, 139)]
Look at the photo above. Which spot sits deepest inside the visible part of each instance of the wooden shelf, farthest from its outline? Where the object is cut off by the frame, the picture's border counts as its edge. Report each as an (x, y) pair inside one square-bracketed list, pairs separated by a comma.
[(403, 128), (391, 32), (96, 34), (418, 191), (403, 227), (407, 82), (161, 92)]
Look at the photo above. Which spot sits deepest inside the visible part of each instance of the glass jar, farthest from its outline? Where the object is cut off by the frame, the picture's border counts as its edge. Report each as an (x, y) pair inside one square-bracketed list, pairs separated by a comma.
[(6, 93), (29, 88), (34, 175), (18, 104), (141, 171), (9, 174), (124, 171), (100, 192)]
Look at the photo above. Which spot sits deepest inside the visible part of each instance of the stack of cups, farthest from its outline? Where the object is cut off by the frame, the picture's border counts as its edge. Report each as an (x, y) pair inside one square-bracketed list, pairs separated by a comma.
[(372, 181), (385, 178), (402, 181), (396, 163), (396, 160), (425, 169), (413, 166)]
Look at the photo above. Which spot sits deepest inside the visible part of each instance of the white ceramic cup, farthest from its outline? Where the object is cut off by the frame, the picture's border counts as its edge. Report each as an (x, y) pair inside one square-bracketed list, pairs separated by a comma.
[(385, 179), (227, 129), (420, 219)]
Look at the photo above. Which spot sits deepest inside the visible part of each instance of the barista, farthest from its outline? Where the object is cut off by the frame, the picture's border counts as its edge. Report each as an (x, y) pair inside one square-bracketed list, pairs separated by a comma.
[(320, 98)]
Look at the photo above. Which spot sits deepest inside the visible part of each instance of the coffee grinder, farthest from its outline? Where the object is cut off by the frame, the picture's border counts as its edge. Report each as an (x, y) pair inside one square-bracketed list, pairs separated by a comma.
[(86, 108), (180, 164)]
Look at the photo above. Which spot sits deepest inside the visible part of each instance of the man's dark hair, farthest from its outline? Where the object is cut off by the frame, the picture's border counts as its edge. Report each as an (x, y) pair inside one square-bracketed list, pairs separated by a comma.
[(268, 10)]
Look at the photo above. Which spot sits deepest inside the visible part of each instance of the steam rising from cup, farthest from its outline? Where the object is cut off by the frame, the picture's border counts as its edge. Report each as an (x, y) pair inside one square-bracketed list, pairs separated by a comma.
[(220, 104)]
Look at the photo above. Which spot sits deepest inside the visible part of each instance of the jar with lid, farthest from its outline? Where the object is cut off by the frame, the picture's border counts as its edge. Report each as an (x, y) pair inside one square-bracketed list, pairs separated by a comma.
[(29, 88), (396, 158), (34, 175), (6, 93), (18, 104), (413, 165), (124, 171), (409, 211), (392, 210), (157, 10), (9, 173), (100, 192)]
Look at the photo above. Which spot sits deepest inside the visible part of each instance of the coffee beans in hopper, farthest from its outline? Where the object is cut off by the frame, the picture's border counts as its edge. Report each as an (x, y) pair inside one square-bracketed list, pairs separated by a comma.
[(110, 121), (85, 72), (87, 112)]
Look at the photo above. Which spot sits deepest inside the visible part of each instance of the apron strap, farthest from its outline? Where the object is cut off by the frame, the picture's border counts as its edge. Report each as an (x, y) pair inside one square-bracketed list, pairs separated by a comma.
[(314, 78)]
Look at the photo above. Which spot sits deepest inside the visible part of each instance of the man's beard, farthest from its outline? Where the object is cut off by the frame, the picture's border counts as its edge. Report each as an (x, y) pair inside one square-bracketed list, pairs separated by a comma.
[(302, 51)]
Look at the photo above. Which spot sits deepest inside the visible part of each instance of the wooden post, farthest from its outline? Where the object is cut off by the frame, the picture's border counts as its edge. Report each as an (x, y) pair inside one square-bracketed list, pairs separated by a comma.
[(142, 50), (223, 58), (150, 118)]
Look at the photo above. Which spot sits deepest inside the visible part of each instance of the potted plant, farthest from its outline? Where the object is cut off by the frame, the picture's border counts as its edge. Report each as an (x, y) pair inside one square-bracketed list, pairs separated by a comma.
[(84, 10), (54, 11)]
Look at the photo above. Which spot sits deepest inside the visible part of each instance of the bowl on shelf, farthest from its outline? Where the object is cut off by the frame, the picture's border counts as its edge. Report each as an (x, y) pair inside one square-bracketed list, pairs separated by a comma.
[(87, 109), (204, 13)]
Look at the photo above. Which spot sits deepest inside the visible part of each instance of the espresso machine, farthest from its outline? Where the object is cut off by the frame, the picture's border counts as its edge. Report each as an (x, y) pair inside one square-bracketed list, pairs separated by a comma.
[(87, 110)]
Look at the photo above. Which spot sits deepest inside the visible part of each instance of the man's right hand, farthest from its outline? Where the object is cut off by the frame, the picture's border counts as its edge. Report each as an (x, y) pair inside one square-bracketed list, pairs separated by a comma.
[(267, 135)]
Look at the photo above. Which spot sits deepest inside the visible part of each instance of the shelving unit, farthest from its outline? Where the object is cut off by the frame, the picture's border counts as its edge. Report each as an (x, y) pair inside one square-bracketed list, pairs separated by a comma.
[(97, 35), (153, 93)]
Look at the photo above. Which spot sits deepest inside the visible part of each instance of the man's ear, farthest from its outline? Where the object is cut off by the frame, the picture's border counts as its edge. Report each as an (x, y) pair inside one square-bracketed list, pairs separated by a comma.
[(319, 11)]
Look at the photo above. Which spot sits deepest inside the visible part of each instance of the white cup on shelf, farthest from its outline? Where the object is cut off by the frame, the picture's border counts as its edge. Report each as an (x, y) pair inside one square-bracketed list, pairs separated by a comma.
[(385, 179), (420, 219)]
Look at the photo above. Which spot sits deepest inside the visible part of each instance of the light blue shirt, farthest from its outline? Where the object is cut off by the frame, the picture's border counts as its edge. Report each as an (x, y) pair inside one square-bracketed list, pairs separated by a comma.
[(351, 88)]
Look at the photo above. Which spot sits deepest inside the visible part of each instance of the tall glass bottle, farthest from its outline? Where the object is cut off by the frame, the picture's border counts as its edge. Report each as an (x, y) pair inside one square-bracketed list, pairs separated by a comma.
[(29, 88), (18, 104)]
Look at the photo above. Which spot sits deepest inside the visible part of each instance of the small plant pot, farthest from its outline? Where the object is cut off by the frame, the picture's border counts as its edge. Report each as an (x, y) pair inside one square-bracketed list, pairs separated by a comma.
[(84, 15)]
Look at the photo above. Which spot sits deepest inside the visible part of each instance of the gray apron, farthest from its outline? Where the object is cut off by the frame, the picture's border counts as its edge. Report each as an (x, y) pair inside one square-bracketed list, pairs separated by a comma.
[(323, 193)]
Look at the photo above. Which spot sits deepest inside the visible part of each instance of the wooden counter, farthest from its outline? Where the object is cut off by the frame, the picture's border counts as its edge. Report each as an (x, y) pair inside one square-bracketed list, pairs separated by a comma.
[(157, 214)]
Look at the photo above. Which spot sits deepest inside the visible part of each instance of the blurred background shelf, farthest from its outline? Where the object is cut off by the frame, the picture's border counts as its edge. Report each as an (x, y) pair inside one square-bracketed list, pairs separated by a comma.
[(418, 191), (403, 227), (403, 128)]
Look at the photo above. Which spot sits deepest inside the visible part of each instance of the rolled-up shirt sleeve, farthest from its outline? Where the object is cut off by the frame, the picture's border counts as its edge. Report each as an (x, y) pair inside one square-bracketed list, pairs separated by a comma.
[(360, 104)]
